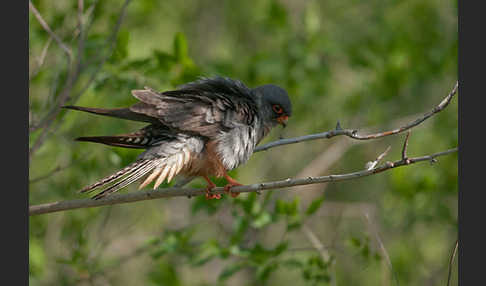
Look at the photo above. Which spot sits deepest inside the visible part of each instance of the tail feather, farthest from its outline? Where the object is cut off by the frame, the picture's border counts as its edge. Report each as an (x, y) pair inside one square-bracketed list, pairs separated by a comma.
[(113, 177), (124, 113), (132, 177), (163, 168), (117, 181), (126, 141), (146, 137)]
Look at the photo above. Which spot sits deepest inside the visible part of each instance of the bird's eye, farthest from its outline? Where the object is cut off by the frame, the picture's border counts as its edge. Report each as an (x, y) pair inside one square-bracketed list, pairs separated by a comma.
[(277, 108)]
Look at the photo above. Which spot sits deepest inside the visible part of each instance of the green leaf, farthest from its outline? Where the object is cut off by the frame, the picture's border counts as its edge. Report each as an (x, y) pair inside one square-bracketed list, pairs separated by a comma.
[(263, 219), (281, 247), (280, 207), (200, 203), (287, 208), (37, 257), (293, 263), (294, 222), (365, 251), (277, 14), (153, 241), (230, 270), (293, 207), (263, 272), (164, 60), (121, 49), (314, 206), (355, 241), (208, 251), (180, 47), (164, 273), (249, 204), (240, 226)]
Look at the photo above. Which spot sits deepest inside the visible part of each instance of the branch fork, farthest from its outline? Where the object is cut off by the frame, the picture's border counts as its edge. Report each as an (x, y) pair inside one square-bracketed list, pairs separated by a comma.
[(404, 150)]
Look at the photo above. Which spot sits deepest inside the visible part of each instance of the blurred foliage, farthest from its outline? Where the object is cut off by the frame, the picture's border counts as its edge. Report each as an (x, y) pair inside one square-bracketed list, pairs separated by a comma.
[(364, 63)]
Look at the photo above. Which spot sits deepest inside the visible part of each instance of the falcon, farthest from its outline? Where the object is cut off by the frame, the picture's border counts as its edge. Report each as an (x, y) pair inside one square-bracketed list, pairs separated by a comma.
[(203, 128)]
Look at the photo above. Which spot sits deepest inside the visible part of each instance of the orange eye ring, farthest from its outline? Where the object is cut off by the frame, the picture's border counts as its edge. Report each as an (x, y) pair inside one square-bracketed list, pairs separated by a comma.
[(277, 109)]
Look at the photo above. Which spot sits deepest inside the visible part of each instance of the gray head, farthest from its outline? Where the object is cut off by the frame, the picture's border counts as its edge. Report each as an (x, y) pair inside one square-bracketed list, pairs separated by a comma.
[(274, 104)]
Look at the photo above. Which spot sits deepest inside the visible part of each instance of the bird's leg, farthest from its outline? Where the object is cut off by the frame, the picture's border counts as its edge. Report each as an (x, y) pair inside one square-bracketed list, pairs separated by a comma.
[(211, 185), (231, 183)]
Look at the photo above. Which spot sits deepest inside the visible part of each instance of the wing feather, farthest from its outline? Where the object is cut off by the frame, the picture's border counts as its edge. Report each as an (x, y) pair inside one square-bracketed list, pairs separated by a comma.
[(204, 107)]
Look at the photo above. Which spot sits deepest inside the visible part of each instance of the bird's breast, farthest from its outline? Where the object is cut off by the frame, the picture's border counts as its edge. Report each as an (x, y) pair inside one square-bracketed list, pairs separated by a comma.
[(235, 146)]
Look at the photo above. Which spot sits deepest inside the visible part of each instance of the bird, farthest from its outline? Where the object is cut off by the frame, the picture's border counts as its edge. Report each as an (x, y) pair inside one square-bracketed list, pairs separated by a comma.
[(204, 128)]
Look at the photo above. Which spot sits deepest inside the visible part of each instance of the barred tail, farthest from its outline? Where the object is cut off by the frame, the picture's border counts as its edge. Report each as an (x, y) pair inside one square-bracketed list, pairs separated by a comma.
[(121, 179), (164, 168)]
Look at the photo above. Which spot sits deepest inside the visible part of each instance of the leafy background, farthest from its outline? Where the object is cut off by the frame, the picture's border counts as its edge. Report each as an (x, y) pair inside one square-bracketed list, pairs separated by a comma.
[(371, 65)]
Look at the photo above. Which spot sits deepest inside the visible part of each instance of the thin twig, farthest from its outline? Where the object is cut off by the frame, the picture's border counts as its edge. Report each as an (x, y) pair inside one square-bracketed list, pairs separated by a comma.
[(178, 192), (382, 246), (40, 60), (451, 261), (405, 145), (81, 33), (48, 30), (316, 243), (110, 42), (338, 131), (57, 169), (71, 77), (371, 164)]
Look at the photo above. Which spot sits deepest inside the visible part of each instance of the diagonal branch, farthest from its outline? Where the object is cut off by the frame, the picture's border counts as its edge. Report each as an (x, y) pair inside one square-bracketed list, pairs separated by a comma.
[(451, 261), (338, 131), (46, 27), (405, 146), (40, 60), (370, 165), (110, 42), (373, 229), (316, 243), (179, 192)]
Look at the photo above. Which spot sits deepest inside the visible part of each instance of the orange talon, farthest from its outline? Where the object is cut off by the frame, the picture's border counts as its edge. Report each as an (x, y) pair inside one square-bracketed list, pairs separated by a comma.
[(213, 196), (231, 183), (211, 185)]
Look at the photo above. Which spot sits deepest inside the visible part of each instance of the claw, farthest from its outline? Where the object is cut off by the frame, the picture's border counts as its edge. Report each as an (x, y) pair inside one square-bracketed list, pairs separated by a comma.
[(228, 187), (210, 196), (231, 183), (211, 185)]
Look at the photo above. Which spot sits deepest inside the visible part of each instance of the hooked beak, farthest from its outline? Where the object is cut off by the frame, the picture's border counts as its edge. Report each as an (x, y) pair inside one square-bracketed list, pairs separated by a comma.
[(283, 120)]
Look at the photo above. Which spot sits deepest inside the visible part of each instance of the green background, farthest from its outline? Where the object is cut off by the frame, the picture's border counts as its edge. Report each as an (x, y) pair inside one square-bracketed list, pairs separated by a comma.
[(371, 65)]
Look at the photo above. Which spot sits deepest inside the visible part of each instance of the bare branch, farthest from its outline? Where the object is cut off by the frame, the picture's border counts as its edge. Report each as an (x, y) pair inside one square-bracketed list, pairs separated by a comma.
[(338, 131), (316, 243), (48, 30), (40, 60), (178, 192), (405, 145), (50, 173), (371, 164), (381, 245), (451, 261), (111, 41), (81, 33)]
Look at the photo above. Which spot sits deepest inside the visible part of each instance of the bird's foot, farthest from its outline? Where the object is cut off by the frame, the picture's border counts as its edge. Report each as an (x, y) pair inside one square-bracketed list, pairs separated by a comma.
[(209, 194), (228, 187), (231, 183)]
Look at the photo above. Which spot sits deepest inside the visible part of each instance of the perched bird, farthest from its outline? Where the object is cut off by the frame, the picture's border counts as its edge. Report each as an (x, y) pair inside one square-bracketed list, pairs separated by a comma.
[(203, 128)]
